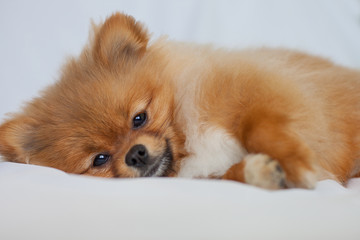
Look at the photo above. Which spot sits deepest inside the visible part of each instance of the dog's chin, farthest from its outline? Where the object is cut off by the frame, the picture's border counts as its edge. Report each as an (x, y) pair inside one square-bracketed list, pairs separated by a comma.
[(159, 169), (162, 165)]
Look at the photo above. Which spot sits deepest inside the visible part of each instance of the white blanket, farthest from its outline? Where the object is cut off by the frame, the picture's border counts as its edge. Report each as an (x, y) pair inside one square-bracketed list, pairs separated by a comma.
[(44, 203)]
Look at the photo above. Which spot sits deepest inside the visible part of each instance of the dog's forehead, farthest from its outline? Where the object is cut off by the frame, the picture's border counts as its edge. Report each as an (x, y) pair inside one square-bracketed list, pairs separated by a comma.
[(97, 100)]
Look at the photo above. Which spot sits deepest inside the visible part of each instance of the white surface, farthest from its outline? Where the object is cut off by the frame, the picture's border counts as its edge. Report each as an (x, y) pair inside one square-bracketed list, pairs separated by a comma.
[(42, 203), (37, 35)]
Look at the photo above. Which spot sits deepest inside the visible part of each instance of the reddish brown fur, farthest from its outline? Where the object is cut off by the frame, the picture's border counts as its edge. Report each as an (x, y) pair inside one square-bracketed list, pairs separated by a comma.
[(301, 110)]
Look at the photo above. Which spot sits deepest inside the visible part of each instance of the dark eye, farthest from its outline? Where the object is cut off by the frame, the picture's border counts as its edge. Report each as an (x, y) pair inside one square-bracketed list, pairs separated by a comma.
[(139, 120), (101, 159)]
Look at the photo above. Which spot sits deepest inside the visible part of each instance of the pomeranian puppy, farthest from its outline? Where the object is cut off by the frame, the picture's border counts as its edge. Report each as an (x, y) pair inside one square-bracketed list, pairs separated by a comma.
[(125, 107)]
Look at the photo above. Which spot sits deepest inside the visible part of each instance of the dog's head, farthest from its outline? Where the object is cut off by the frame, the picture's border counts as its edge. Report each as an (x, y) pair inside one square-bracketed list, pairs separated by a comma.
[(111, 113)]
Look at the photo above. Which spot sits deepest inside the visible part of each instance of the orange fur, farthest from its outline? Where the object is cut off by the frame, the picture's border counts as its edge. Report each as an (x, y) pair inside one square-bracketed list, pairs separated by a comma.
[(301, 111)]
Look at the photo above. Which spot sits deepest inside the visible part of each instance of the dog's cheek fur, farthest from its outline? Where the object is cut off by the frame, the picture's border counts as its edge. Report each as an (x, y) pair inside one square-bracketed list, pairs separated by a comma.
[(11, 139), (166, 124)]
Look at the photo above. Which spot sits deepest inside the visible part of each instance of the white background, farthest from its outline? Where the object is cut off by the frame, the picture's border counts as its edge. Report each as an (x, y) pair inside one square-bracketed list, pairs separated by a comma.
[(36, 36)]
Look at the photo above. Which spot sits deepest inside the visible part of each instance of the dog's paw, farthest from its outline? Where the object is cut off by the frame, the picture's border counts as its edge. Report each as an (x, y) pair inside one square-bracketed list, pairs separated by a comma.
[(307, 179), (262, 171)]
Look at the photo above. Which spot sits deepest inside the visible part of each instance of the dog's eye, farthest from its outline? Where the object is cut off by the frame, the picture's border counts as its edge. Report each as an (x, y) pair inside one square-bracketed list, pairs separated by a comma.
[(139, 120), (101, 159)]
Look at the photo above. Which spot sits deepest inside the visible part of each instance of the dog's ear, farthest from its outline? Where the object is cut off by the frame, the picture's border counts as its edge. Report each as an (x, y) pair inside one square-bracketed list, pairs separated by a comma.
[(120, 39), (12, 136)]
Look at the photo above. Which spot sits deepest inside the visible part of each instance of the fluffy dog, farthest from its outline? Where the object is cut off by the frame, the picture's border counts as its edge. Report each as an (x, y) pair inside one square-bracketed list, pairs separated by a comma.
[(272, 118)]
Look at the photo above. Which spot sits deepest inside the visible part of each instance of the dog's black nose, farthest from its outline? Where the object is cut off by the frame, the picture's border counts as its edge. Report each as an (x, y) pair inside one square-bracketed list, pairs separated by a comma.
[(137, 156)]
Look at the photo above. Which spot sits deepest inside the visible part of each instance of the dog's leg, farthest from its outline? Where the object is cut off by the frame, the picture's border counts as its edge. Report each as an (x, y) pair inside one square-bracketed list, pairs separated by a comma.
[(278, 158), (258, 170)]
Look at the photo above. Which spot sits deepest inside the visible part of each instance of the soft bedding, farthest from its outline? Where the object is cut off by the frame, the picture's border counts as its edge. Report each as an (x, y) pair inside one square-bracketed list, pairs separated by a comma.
[(44, 203)]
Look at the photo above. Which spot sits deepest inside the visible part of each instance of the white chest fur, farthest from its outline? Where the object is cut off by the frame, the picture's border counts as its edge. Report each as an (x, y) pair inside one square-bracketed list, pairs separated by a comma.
[(213, 152)]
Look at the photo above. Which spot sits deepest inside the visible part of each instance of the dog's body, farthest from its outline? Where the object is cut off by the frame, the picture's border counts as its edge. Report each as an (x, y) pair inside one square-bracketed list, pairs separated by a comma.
[(271, 118)]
